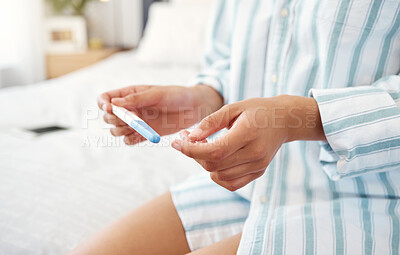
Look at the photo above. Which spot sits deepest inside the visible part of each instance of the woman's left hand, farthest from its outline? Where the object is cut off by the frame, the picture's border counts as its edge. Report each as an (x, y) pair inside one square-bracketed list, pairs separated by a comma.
[(257, 129)]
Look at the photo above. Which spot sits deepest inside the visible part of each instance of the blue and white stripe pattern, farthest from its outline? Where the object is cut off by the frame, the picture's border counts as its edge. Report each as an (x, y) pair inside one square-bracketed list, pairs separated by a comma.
[(202, 205), (337, 197)]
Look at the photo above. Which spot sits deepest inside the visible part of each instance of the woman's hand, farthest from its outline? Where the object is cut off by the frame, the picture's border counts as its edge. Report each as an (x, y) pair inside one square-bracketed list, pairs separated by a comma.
[(167, 109), (257, 129)]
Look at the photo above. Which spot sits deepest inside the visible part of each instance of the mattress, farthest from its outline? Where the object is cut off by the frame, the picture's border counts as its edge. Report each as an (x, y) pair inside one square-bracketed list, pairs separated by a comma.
[(58, 189)]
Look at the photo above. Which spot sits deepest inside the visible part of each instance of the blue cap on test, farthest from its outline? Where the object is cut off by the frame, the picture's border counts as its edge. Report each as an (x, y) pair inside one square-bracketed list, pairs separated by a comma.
[(146, 131)]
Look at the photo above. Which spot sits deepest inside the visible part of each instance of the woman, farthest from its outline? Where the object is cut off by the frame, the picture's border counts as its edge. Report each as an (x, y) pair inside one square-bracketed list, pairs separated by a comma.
[(290, 73)]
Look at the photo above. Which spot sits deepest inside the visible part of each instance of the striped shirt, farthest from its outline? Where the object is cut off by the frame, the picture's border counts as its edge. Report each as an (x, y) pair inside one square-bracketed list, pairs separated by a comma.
[(334, 197)]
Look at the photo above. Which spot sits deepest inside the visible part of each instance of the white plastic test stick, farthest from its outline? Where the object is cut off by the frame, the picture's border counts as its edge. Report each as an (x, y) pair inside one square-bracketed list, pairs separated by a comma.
[(136, 123)]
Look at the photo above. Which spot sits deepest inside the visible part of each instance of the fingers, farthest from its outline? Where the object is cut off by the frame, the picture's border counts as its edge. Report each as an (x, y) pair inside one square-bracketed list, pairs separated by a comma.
[(121, 128), (238, 183), (184, 134), (104, 103), (240, 170), (104, 100), (138, 100), (134, 96), (131, 136), (204, 151), (220, 149), (250, 153), (113, 120), (122, 131), (215, 122), (236, 160)]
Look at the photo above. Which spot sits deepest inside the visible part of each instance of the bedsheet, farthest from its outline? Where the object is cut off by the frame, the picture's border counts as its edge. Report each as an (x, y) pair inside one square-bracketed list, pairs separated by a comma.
[(60, 188)]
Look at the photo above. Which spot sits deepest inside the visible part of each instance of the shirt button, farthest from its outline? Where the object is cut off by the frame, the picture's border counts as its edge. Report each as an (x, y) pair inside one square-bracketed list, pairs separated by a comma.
[(263, 199), (274, 78), (284, 13)]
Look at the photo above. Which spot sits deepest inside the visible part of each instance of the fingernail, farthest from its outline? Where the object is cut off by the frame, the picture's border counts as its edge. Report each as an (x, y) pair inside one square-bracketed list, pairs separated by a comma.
[(176, 145), (105, 107), (195, 133), (127, 140), (183, 135)]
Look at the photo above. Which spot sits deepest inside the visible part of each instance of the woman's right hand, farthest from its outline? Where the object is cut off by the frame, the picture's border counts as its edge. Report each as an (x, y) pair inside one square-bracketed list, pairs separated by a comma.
[(167, 109)]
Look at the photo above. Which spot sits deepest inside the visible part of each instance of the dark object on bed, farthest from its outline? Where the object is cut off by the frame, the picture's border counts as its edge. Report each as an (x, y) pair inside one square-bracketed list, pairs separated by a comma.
[(45, 130)]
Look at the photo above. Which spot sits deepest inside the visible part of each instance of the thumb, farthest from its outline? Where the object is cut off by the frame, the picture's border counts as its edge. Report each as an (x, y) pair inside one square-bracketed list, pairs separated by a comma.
[(214, 122), (138, 100)]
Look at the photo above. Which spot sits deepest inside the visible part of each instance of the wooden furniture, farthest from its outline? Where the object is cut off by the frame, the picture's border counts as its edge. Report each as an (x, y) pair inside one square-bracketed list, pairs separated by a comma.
[(58, 65)]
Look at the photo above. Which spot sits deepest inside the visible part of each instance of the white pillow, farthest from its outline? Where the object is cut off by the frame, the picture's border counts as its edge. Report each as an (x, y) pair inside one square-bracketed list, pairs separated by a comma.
[(175, 33)]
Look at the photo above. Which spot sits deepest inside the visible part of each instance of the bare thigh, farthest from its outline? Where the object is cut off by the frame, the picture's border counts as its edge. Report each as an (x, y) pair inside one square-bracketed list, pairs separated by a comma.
[(154, 228)]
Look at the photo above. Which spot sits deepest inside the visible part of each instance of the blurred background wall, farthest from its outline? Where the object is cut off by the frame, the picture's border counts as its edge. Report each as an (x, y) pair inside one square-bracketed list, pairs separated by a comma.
[(118, 23), (112, 25), (21, 42)]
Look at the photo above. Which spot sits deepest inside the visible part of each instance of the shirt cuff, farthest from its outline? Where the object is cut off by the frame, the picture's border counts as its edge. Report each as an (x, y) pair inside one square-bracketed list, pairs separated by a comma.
[(362, 127)]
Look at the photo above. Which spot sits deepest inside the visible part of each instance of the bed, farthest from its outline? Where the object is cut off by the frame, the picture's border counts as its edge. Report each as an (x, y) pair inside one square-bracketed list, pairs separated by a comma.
[(58, 189)]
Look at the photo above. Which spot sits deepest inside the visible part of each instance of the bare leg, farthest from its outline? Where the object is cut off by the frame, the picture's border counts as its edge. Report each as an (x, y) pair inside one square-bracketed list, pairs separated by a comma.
[(226, 247), (154, 228)]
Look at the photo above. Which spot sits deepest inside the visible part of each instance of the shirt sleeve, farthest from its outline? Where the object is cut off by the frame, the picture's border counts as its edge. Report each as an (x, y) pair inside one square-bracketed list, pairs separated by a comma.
[(216, 63), (362, 127)]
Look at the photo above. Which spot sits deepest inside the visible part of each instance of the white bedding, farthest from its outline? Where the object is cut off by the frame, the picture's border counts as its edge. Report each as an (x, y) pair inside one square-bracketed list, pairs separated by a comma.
[(58, 189)]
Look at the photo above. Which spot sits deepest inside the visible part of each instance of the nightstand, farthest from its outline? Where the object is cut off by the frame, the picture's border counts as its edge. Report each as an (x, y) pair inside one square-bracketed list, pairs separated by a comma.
[(60, 64)]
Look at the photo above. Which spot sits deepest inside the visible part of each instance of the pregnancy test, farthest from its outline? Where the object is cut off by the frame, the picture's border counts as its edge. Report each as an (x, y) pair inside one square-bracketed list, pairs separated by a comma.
[(136, 123)]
